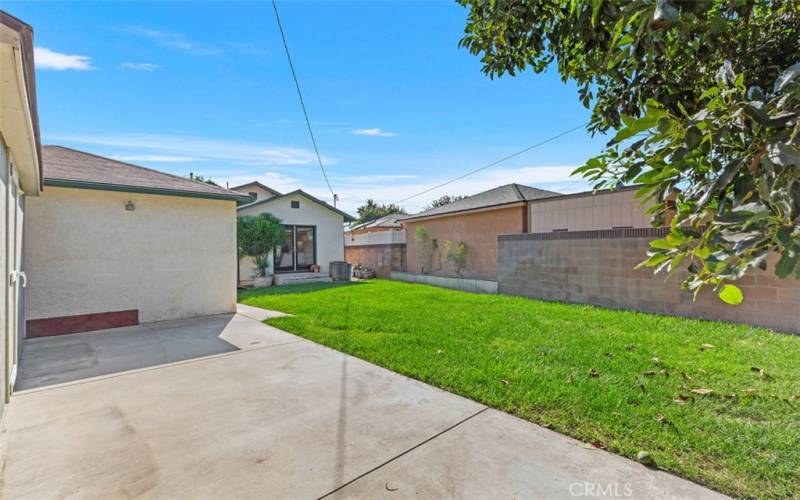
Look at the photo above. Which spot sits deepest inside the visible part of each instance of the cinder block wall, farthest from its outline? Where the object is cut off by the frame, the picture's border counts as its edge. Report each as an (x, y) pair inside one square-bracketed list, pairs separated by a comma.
[(597, 267), (383, 258)]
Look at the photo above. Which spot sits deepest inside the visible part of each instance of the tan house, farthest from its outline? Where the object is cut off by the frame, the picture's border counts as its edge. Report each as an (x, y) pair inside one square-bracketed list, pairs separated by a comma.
[(379, 244), (113, 244), (20, 180), (314, 234), (475, 221)]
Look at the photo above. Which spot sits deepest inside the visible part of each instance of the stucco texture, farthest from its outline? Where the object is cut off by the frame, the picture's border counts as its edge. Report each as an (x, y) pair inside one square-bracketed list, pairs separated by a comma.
[(172, 257), (329, 224), (478, 230)]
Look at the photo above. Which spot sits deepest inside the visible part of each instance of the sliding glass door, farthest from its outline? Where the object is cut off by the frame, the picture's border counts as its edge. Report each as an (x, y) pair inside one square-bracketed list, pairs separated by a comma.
[(299, 250)]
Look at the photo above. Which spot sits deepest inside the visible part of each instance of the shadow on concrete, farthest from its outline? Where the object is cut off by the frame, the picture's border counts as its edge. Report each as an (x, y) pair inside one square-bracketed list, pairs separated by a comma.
[(67, 358)]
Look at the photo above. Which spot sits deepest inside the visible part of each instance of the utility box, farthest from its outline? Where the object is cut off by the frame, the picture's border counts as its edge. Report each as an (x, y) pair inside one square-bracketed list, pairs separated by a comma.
[(340, 270)]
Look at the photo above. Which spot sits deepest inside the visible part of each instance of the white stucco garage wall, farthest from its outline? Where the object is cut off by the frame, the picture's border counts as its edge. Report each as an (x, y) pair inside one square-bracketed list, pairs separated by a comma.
[(172, 257), (330, 227)]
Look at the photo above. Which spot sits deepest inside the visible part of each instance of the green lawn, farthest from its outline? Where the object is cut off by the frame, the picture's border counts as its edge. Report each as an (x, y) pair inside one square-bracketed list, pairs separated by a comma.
[(621, 380)]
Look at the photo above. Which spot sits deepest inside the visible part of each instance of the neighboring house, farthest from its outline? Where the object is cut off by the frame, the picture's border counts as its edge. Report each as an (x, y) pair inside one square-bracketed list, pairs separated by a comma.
[(314, 231), (475, 221), (113, 244), (590, 210), (379, 244), (20, 179)]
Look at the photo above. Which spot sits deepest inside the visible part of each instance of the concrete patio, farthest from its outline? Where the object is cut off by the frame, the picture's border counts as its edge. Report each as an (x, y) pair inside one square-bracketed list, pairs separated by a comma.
[(227, 407)]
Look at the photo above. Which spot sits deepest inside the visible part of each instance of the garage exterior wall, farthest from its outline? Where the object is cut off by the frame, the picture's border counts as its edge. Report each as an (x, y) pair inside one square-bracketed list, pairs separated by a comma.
[(587, 212), (478, 230), (172, 257), (329, 224)]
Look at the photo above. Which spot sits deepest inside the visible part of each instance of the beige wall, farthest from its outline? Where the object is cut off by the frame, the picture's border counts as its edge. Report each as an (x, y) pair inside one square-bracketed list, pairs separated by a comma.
[(261, 193), (330, 228), (585, 212), (172, 257), (478, 230), (600, 269), (382, 237)]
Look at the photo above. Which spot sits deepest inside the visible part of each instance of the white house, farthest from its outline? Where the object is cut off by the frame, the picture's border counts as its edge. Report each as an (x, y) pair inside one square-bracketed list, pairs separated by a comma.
[(314, 230)]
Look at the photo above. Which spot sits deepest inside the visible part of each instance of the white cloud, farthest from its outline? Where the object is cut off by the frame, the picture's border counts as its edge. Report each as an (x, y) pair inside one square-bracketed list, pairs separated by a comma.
[(373, 132), (139, 66), (202, 149), (156, 158), (49, 59), (176, 41), (367, 179), (553, 178)]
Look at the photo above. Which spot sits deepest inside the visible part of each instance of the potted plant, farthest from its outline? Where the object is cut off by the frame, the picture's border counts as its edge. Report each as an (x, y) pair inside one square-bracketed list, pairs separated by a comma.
[(257, 237)]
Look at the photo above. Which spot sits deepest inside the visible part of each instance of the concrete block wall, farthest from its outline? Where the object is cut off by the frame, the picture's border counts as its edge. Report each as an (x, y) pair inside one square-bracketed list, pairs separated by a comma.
[(464, 284), (383, 258), (597, 267)]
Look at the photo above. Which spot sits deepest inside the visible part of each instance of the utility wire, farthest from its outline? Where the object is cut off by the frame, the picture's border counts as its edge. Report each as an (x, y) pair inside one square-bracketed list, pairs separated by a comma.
[(302, 102), (494, 163)]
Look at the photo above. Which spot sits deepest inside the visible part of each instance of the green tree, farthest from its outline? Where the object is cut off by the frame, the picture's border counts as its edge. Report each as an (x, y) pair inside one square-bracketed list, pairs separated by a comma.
[(444, 200), (257, 236), (373, 211), (704, 96)]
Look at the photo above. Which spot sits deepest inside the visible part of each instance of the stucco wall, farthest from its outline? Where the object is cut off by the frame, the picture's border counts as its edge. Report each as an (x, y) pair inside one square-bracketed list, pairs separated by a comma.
[(597, 267), (172, 257), (383, 258), (330, 227), (478, 230), (587, 211)]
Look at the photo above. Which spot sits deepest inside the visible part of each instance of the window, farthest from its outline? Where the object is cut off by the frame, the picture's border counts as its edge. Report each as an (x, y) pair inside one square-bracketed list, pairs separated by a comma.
[(295, 204), (253, 194)]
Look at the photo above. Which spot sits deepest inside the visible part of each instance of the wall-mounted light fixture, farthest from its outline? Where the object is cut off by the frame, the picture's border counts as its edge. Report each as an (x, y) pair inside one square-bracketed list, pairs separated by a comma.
[(129, 206)]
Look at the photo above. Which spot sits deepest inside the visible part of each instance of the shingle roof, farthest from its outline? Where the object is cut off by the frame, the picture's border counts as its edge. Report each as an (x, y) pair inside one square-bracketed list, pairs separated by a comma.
[(502, 195), (347, 217), (391, 220), (72, 168)]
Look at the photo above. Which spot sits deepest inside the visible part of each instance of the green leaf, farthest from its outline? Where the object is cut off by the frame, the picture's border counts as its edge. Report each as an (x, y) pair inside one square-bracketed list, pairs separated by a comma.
[(786, 264), (731, 294), (596, 4), (662, 244), (787, 76)]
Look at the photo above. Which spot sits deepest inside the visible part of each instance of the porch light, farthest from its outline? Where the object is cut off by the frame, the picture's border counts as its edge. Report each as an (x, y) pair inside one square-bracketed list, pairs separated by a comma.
[(129, 206)]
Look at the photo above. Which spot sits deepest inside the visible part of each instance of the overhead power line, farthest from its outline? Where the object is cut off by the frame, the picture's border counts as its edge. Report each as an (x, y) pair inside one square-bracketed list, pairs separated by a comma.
[(494, 163), (302, 102)]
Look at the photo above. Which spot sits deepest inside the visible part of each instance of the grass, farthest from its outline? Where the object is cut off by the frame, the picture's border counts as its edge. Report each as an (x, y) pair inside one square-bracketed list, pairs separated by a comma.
[(620, 380)]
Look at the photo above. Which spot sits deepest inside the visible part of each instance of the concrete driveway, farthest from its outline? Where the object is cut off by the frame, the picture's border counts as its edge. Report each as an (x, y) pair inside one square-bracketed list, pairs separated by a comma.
[(276, 416)]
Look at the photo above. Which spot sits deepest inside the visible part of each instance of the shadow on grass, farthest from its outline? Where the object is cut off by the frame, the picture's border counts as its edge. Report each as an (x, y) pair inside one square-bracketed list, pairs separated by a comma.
[(295, 289)]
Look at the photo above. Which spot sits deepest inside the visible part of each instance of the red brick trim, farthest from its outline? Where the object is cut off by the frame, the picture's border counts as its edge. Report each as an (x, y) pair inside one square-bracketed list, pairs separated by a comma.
[(61, 325)]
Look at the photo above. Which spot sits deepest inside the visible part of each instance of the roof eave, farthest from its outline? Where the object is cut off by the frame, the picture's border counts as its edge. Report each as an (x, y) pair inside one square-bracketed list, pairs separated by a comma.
[(510, 204), (101, 186)]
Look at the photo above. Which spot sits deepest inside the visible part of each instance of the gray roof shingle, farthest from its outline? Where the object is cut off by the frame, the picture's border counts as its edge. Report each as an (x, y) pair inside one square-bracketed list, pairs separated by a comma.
[(66, 166), (501, 195)]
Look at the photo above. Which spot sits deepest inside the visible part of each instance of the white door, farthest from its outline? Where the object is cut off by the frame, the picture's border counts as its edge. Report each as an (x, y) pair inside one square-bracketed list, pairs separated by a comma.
[(15, 277)]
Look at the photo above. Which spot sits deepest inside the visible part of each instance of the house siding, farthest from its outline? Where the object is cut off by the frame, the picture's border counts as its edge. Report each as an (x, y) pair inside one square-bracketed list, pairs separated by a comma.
[(589, 211), (478, 230), (172, 257), (329, 224)]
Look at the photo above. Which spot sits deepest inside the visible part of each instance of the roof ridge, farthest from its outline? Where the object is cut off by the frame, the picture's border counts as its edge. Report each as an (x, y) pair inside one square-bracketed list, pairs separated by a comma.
[(131, 165), (519, 194)]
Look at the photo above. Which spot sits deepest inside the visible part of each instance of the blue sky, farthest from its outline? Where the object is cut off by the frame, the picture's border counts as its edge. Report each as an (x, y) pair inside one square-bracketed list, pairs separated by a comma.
[(205, 88)]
